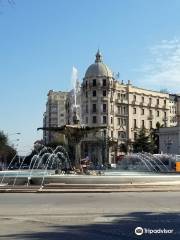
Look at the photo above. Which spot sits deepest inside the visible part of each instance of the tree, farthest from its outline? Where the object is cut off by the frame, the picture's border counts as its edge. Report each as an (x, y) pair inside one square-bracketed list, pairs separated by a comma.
[(6, 151), (143, 143), (155, 137), (3, 140)]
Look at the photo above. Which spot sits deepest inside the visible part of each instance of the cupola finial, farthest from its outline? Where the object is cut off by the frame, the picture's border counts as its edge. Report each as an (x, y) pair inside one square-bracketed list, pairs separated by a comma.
[(98, 57)]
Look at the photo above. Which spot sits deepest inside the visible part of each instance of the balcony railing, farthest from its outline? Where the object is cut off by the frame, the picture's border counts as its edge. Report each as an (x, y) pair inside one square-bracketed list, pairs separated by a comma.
[(150, 117), (165, 119), (118, 101), (111, 99), (105, 98)]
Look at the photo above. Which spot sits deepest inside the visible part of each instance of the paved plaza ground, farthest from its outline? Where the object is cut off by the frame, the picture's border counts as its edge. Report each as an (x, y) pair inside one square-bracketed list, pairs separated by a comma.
[(88, 216)]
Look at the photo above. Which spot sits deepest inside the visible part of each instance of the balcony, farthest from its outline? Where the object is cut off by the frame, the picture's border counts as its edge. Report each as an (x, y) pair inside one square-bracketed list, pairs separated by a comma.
[(150, 117), (111, 99), (94, 111), (121, 114), (165, 107), (94, 98), (142, 104), (104, 111), (157, 105), (133, 102), (165, 119), (105, 98), (111, 112), (118, 101)]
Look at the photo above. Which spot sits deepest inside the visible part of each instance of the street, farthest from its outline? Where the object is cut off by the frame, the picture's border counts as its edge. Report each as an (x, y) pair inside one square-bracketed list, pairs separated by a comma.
[(88, 215)]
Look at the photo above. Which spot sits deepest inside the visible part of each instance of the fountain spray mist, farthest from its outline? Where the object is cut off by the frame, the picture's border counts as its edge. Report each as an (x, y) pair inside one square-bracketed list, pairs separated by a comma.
[(74, 79)]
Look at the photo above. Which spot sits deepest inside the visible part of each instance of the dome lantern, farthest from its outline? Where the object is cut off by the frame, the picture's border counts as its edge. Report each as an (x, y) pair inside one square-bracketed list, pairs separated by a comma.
[(98, 69), (98, 56)]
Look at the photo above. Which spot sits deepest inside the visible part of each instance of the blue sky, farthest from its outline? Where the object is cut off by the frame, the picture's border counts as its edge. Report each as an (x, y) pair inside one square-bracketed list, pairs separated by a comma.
[(41, 40)]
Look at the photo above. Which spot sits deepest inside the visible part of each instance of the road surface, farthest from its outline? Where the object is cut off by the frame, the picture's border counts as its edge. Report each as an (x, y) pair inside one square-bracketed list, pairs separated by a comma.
[(89, 216)]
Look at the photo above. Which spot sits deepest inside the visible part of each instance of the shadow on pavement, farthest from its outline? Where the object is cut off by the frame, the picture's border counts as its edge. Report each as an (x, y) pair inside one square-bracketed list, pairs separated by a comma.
[(109, 227)]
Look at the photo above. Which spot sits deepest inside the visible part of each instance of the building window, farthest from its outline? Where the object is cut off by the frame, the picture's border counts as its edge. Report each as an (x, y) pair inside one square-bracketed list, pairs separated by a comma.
[(119, 95), (121, 135), (94, 93), (157, 101), (86, 94), (86, 108), (150, 124), (142, 111), (150, 112), (124, 122), (104, 107), (111, 134), (135, 123), (104, 93), (94, 82), (134, 97), (143, 124), (164, 102), (94, 119), (124, 108), (104, 82), (134, 110), (157, 113), (94, 108), (119, 110), (135, 135), (86, 120), (150, 100), (111, 120), (104, 119), (142, 99), (119, 121)]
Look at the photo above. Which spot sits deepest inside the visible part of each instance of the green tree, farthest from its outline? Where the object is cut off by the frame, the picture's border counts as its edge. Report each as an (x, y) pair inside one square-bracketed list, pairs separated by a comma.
[(3, 140), (6, 151), (143, 143), (155, 137)]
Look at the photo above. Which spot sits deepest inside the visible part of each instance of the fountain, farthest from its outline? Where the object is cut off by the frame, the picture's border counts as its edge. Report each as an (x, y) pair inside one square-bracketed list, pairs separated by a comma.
[(49, 165), (147, 162), (44, 163), (54, 166)]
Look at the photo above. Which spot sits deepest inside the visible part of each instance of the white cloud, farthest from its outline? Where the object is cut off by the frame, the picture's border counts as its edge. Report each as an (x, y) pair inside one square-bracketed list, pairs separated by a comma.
[(163, 67)]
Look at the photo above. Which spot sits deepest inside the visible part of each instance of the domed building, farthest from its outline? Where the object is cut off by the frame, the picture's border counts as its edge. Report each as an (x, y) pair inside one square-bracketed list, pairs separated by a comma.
[(96, 98), (120, 109)]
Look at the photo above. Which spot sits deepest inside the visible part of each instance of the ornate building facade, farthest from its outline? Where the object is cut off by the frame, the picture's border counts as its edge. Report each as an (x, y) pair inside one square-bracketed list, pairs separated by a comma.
[(122, 108), (55, 114)]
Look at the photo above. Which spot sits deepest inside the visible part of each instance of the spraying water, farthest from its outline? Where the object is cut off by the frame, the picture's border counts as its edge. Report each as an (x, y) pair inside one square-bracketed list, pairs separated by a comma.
[(74, 80)]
